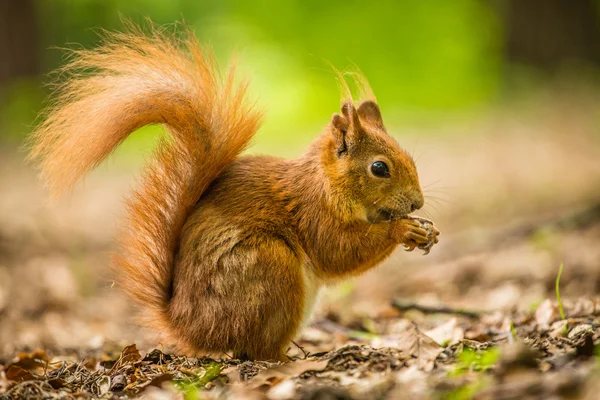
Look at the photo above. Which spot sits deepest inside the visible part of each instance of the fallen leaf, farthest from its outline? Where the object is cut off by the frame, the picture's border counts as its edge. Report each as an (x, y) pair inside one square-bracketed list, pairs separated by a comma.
[(17, 374), (159, 380), (130, 354), (57, 383), (477, 335), (410, 340), (546, 313), (283, 390), (36, 361), (447, 334), (157, 357), (104, 385), (558, 329), (118, 383), (272, 376), (584, 307), (580, 330)]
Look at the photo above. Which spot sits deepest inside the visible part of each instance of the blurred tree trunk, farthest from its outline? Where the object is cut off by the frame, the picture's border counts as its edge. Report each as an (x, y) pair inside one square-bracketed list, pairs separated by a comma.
[(545, 33), (19, 54)]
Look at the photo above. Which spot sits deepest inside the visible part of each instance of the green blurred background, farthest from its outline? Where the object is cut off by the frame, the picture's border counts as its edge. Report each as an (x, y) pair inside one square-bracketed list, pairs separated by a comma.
[(427, 61)]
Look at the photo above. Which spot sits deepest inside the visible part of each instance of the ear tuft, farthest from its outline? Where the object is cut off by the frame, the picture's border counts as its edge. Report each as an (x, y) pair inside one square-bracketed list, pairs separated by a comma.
[(346, 128), (350, 113), (339, 128), (339, 123), (369, 113)]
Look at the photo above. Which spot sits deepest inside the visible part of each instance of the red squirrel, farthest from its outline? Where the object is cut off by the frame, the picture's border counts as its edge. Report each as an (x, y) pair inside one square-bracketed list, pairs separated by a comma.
[(226, 252)]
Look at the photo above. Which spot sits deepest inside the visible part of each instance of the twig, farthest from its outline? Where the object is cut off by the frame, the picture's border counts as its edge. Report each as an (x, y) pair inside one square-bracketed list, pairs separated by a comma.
[(306, 354), (401, 306)]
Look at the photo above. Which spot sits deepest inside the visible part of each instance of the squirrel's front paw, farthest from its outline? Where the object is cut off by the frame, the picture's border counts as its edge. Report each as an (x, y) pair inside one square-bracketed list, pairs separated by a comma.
[(419, 233)]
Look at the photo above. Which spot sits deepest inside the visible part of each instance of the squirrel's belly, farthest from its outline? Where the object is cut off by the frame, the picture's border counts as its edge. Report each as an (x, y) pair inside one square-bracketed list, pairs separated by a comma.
[(312, 291)]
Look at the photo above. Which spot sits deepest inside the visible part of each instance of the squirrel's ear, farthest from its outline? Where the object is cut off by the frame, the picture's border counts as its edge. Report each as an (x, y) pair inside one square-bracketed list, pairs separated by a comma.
[(370, 114), (345, 127), (351, 115), (339, 128)]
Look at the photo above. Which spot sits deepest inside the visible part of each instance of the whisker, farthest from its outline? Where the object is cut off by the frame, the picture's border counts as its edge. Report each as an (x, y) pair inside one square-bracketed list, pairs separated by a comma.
[(415, 145), (419, 157), (435, 197), (433, 203), (437, 190), (427, 213), (432, 183), (434, 207), (439, 199)]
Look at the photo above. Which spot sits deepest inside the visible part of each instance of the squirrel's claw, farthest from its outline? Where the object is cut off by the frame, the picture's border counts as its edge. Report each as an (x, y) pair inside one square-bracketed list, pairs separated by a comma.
[(432, 234), (410, 246)]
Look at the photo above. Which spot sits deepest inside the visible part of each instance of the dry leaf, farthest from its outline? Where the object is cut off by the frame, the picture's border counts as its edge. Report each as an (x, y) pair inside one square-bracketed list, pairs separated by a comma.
[(36, 361), (272, 376), (57, 383), (282, 391), (17, 374), (415, 343), (104, 385), (546, 313), (130, 354), (447, 334)]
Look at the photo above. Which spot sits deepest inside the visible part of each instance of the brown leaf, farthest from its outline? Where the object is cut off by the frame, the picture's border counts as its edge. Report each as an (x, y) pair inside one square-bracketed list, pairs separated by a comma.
[(415, 343), (157, 357), (57, 383), (272, 376), (103, 385), (36, 361), (17, 374), (130, 354), (546, 313), (447, 334), (159, 380)]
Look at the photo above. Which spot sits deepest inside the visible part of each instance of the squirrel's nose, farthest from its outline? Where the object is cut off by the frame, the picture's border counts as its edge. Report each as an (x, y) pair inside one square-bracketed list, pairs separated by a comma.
[(417, 204)]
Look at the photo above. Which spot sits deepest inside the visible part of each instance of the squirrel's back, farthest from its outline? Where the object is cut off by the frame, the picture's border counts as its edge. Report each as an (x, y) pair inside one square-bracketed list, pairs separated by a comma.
[(134, 79)]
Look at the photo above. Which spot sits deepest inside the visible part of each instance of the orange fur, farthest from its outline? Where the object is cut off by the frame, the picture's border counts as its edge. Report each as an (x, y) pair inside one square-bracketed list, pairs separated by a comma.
[(133, 80), (226, 252)]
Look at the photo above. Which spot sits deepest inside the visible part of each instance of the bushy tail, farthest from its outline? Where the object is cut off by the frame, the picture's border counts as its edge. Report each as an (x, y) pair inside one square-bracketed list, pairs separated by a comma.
[(131, 80)]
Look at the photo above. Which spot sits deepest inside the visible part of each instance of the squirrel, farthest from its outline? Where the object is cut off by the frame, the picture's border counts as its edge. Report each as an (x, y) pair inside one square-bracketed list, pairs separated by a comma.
[(226, 252)]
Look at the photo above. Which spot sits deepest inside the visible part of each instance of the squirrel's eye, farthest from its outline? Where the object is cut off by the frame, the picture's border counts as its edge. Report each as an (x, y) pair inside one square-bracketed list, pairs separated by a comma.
[(380, 169)]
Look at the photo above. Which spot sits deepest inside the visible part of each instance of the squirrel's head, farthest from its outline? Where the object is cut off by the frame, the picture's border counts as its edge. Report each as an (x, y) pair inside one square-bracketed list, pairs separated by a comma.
[(370, 175)]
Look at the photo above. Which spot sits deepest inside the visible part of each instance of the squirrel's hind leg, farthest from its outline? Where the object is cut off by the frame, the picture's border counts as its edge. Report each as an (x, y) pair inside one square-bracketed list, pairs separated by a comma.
[(245, 295)]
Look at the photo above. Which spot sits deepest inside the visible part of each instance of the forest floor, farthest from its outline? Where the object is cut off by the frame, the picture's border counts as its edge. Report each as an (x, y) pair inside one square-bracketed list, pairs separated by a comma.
[(427, 349), (486, 315)]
